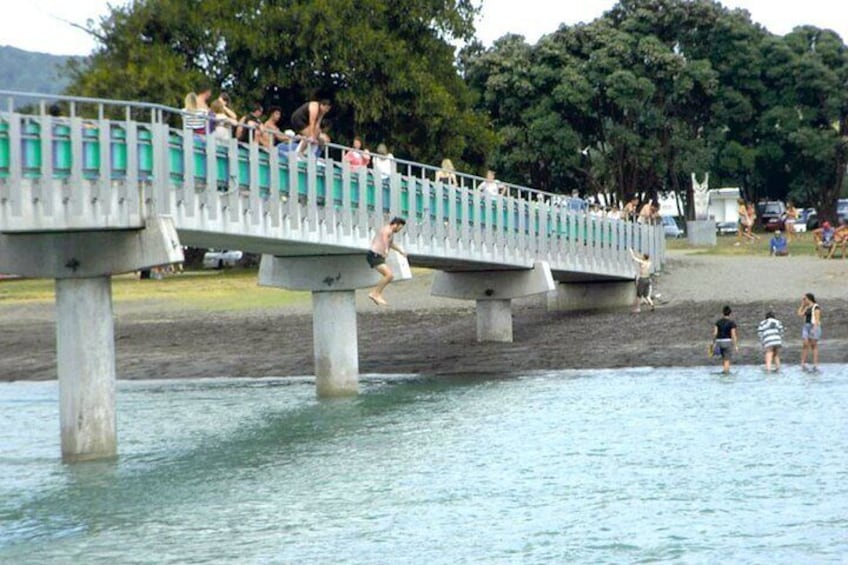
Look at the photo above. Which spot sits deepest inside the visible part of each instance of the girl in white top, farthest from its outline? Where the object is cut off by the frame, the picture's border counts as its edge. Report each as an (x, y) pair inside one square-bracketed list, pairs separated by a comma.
[(383, 162), (224, 124)]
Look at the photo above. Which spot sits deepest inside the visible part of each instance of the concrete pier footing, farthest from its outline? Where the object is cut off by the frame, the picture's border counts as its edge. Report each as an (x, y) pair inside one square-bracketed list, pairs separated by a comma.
[(493, 292), (83, 262), (333, 280)]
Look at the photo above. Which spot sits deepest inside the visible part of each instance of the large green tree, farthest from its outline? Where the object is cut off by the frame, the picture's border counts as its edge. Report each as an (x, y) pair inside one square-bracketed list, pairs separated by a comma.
[(654, 90), (388, 66)]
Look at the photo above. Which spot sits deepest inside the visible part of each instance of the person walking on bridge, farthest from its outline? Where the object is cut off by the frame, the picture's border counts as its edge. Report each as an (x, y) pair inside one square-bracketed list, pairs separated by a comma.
[(382, 243)]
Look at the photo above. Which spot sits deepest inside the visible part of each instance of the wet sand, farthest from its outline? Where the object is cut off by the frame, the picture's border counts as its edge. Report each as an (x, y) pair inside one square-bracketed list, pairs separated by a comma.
[(426, 335)]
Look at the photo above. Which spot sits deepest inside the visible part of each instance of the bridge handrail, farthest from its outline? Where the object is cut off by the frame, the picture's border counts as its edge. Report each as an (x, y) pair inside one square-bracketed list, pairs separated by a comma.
[(331, 150), (109, 154)]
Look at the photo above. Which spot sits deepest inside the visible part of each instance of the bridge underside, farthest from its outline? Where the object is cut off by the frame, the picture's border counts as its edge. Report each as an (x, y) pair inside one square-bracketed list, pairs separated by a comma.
[(291, 248)]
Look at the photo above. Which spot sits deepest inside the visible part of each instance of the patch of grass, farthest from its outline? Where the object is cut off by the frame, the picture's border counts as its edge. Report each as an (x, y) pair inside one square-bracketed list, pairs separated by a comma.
[(802, 244), (205, 290)]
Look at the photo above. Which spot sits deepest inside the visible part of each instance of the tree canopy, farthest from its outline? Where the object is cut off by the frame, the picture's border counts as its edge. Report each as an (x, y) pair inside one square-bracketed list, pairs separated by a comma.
[(637, 100), (388, 66), (632, 103)]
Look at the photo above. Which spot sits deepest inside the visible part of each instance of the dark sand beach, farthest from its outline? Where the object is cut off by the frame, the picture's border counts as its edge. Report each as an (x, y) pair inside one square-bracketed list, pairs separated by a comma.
[(426, 335)]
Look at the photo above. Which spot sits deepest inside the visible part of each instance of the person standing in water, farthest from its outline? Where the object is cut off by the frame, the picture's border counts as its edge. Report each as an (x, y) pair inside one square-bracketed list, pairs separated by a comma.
[(770, 332), (812, 331), (382, 243), (725, 338)]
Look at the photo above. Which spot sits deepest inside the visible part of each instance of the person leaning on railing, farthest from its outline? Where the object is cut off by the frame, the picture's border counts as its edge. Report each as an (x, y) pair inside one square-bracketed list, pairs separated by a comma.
[(250, 125), (194, 117), (447, 174)]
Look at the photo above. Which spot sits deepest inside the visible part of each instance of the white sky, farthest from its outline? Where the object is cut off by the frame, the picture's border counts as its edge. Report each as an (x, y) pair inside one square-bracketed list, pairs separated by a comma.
[(42, 25)]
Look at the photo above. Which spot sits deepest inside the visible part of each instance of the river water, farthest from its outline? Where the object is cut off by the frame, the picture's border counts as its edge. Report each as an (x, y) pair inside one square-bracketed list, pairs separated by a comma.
[(622, 466)]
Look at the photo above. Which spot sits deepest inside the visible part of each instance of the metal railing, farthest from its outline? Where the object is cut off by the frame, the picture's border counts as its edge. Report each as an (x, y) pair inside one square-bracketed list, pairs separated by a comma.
[(140, 163)]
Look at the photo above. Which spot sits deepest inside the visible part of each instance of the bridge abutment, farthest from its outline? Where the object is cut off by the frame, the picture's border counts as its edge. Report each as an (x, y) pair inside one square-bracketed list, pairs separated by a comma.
[(493, 292), (333, 280), (83, 262), (578, 297)]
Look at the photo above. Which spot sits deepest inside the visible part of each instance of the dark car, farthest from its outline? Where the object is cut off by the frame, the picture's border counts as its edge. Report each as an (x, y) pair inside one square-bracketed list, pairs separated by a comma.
[(842, 210), (808, 217), (772, 215)]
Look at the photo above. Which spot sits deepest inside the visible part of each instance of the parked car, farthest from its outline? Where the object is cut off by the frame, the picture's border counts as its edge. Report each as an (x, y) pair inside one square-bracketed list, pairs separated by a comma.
[(671, 228), (727, 228), (220, 258), (773, 215), (808, 218), (842, 209)]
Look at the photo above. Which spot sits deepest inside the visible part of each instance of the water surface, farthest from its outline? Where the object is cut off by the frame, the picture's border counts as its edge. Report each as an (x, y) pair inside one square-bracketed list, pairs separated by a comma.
[(576, 466)]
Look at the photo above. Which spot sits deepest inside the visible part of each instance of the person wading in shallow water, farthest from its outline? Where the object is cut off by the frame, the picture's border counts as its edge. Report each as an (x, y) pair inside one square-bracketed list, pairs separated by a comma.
[(725, 338), (380, 246), (811, 332)]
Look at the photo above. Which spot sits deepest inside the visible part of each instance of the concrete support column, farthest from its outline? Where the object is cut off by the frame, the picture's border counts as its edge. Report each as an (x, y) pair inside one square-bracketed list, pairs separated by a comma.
[(333, 280), (494, 320), (85, 348), (335, 343)]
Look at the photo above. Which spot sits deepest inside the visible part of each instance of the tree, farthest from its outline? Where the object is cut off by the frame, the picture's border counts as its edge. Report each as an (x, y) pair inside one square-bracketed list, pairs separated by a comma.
[(637, 100), (389, 66)]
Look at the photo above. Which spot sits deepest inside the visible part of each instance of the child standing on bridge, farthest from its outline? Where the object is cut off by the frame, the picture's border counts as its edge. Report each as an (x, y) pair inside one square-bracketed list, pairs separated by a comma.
[(381, 245)]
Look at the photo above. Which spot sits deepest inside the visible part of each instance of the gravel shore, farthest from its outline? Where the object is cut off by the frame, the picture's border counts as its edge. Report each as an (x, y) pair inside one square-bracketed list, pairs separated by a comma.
[(419, 333)]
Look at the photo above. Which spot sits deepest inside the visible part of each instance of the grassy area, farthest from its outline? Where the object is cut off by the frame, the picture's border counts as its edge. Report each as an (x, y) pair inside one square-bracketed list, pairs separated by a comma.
[(235, 289), (726, 245)]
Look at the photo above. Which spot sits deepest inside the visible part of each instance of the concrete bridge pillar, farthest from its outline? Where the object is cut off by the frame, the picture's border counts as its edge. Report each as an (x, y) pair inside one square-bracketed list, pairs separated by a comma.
[(493, 291), (335, 343), (85, 352), (333, 280), (494, 320), (83, 262)]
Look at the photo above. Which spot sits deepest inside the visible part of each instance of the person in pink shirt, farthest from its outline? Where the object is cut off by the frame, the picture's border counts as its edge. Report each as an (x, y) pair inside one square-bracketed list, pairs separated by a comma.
[(356, 157)]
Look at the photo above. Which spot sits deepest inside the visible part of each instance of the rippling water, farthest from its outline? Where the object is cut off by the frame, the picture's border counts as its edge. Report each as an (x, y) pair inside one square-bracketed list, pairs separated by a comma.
[(591, 466)]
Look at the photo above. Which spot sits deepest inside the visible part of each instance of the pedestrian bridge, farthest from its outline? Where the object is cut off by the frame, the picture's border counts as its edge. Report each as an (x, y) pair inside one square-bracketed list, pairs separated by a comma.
[(108, 187)]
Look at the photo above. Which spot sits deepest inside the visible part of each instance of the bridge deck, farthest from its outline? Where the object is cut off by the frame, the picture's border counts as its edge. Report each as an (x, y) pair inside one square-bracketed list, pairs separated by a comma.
[(75, 173)]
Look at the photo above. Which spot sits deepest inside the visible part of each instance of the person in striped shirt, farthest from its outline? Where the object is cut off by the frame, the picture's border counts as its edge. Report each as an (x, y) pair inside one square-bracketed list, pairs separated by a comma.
[(770, 331)]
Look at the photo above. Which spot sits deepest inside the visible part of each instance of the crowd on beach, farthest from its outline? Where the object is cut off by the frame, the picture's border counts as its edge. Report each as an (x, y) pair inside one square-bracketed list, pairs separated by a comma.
[(827, 238)]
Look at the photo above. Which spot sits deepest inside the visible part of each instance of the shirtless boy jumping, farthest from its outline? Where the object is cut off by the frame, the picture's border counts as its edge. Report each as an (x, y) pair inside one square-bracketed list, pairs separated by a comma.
[(380, 246)]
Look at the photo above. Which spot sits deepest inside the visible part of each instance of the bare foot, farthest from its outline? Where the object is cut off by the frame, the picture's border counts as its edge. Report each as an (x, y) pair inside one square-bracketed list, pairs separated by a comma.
[(378, 300)]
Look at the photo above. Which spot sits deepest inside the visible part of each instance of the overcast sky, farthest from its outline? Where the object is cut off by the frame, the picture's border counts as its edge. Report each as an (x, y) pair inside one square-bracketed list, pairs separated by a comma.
[(45, 25)]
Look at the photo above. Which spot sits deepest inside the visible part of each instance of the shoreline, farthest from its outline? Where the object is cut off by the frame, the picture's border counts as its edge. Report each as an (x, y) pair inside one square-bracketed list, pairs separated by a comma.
[(420, 334)]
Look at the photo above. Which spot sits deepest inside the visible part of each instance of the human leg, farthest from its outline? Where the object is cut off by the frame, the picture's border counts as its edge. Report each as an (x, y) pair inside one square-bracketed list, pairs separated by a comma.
[(777, 358), (377, 294), (814, 347), (804, 350), (768, 358)]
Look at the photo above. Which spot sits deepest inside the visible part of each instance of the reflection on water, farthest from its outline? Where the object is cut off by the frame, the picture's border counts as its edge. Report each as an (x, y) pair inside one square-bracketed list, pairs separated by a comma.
[(578, 466)]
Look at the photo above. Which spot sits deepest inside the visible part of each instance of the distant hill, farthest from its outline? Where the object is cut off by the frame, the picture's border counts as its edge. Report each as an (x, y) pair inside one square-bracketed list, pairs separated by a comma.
[(28, 71)]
